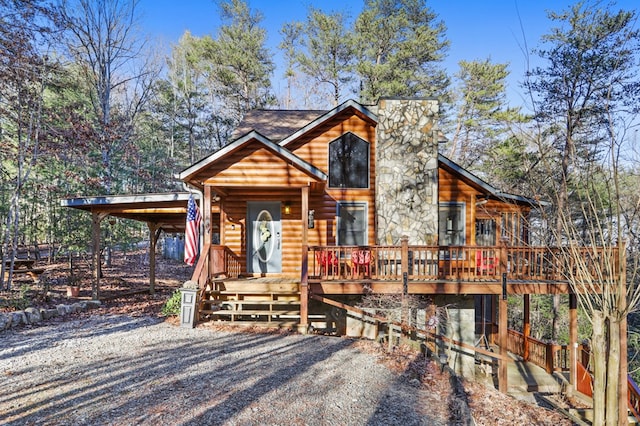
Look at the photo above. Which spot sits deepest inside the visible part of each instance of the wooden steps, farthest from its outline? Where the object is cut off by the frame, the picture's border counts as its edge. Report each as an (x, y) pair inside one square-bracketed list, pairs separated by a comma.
[(259, 302)]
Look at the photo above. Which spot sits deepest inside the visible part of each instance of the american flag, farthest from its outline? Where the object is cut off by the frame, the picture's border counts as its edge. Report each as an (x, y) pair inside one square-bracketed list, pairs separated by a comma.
[(191, 232)]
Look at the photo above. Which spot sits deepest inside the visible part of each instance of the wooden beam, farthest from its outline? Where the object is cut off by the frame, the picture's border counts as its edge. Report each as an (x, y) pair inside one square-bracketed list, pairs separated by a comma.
[(436, 287), (159, 210), (502, 339)]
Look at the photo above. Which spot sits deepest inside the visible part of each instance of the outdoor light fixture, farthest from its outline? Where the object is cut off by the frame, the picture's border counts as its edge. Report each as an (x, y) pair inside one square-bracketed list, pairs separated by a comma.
[(287, 208), (310, 219)]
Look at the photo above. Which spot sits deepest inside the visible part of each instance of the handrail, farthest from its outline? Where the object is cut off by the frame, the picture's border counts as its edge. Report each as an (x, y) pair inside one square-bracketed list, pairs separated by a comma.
[(201, 271), (406, 327)]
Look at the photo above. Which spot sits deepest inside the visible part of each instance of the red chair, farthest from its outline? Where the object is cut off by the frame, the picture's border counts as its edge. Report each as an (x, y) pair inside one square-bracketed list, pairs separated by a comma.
[(328, 262), (485, 265), (361, 261)]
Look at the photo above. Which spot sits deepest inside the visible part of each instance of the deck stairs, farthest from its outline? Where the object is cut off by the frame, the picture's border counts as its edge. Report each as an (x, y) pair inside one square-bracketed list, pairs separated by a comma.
[(252, 302)]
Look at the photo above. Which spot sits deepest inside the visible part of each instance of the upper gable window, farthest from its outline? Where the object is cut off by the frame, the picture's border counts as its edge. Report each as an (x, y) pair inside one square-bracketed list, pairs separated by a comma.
[(349, 162)]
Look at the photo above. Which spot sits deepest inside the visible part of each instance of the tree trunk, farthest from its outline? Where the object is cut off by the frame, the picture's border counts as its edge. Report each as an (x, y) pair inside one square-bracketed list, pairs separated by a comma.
[(613, 373), (599, 351)]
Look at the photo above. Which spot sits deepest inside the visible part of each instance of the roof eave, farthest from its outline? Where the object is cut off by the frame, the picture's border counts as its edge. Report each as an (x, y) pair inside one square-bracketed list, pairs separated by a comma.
[(488, 188)]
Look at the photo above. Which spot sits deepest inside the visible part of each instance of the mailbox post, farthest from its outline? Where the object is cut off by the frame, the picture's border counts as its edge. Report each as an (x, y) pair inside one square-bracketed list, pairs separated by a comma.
[(188, 305)]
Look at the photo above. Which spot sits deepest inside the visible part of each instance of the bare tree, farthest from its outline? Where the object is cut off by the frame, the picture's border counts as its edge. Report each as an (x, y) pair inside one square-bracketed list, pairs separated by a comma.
[(584, 98), (25, 29), (102, 39)]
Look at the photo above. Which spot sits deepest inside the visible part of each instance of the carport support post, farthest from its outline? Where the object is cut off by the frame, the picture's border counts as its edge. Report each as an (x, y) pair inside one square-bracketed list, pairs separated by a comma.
[(154, 234), (96, 218)]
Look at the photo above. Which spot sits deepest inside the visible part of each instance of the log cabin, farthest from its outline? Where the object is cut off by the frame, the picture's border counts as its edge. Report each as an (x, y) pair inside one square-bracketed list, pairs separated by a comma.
[(305, 213)]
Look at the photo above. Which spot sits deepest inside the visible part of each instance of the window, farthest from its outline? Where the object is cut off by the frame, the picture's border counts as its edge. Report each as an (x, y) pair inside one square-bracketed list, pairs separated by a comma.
[(513, 229), (349, 162), (451, 224), (352, 224), (485, 232)]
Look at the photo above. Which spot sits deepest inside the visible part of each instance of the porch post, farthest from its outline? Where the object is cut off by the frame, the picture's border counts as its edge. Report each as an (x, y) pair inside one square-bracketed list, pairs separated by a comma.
[(206, 216), (304, 284), (223, 221), (502, 337), (573, 341), (526, 326), (154, 234), (96, 218)]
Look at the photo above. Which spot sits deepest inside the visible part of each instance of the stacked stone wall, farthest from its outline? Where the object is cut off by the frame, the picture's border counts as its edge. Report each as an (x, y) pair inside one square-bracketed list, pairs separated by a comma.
[(407, 171)]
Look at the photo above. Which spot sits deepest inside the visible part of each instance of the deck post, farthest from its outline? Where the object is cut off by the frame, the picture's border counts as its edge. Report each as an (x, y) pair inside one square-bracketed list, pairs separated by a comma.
[(526, 327), (573, 341), (304, 292), (502, 337), (404, 262), (304, 281)]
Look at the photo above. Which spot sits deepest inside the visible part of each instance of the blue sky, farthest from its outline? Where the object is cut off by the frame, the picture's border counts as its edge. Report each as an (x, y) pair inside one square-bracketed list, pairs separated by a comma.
[(476, 29)]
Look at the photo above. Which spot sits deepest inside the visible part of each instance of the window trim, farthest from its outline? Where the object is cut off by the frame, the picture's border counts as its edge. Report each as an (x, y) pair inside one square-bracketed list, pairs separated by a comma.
[(368, 186), (365, 207)]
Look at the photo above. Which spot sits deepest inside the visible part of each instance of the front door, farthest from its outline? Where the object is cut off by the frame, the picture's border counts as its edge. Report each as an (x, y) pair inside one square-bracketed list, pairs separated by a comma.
[(264, 239)]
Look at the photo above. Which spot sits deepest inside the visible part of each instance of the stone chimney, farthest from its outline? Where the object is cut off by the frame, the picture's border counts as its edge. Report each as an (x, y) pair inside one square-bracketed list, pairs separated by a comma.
[(407, 170)]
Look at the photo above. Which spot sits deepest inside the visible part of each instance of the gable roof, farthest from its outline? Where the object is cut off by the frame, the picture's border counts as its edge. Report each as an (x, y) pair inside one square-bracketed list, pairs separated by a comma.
[(275, 124), (485, 187), (365, 112), (253, 136)]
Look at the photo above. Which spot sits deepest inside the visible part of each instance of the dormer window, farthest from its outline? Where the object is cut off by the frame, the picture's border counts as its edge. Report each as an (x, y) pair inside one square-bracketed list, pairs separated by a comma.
[(349, 162)]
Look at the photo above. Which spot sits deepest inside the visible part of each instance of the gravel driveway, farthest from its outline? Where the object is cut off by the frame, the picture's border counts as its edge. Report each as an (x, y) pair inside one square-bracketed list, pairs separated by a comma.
[(139, 370)]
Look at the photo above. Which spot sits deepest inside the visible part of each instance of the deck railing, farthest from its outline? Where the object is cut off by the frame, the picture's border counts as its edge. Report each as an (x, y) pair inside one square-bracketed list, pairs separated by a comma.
[(550, 356), (224, 262), (216, 261), (390, 263), (554, 357)]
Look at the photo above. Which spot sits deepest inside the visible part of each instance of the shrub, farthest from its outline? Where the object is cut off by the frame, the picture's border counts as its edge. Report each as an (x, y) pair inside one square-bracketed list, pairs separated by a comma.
[(172, 305)]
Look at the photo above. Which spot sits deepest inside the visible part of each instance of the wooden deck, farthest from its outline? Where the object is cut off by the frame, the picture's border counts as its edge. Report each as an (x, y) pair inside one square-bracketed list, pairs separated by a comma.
[(451, 270)]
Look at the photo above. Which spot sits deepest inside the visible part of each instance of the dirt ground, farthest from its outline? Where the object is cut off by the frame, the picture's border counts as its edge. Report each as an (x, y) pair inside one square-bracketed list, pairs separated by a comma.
[(122, 287)]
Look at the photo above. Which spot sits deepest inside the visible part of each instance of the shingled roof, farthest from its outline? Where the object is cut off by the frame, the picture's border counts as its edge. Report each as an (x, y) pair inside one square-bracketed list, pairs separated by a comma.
[(275, 124)]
